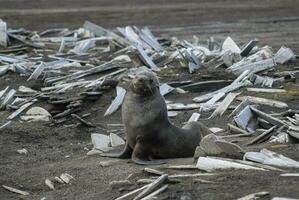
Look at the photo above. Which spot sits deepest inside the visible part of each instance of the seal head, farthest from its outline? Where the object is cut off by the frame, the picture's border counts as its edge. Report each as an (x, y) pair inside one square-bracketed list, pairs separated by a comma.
[(145, 83)]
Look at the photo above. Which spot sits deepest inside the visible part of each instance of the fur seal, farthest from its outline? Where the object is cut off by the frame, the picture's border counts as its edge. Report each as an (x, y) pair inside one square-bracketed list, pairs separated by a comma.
[(150, 136)]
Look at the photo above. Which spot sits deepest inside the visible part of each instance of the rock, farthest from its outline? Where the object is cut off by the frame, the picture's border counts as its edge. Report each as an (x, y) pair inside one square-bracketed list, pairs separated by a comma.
[(199, 152), (209, 146), (36, 114), (213, 145), (230, 149)]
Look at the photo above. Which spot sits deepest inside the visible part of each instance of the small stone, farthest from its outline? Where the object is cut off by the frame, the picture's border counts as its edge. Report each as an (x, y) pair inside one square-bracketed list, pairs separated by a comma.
[(199, 152), (23, 151)]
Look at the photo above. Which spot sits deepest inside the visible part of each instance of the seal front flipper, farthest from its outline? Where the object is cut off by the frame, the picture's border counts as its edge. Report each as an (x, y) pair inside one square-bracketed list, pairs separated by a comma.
[(125, 153)]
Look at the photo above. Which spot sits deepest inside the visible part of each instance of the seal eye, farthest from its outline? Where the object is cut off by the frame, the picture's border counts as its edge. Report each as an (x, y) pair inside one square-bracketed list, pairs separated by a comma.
[(151, 80)]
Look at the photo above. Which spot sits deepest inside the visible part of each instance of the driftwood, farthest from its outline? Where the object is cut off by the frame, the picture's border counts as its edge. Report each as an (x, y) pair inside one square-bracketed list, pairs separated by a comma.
[(153, 171), (263, 101), (212, 164), (133, 193), (262, 137), (155, 193), (256, 195), (224, 105), (154, 185), (15, 190)]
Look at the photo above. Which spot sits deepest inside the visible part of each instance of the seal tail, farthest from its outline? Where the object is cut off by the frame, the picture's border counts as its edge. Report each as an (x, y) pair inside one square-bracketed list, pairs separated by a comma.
[(125, 153)]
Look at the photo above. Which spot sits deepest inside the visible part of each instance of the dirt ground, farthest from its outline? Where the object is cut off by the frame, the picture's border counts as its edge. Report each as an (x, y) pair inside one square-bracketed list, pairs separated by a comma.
[(57, 149)]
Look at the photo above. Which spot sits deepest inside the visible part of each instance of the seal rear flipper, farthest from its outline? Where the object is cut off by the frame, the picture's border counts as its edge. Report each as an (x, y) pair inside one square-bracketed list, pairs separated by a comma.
[(125, 153), (141, 157), (141, 161)]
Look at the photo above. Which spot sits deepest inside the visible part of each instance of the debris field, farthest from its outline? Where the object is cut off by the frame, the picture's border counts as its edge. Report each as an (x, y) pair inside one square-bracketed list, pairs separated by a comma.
[(60, 97)]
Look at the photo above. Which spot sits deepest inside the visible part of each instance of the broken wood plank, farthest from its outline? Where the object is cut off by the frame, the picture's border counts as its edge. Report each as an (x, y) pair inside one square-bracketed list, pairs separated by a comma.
[(246, 119), (133, 193), (239, 82), (224, 105), (181, 167), (3, 34), (283, 55), (15, 190), (245, 102), (268, 117), (175, 176), (262, 137), (115, 140), (20, 110), (50, 184), (194, 117), (165, 89), (271, 158), (230, 45), (290, 175), (154, 185), (146, 59), (266, 90), (153, 171), (83, 121), (37, 72), (100, 141), (253, 196), (264, 101), (116, 103), (155, 193), (237, 130), (8, 98), (212, 164), (206, 86), (5, 125), (249, 46), (181, 106), (254, 164), (2, 92)]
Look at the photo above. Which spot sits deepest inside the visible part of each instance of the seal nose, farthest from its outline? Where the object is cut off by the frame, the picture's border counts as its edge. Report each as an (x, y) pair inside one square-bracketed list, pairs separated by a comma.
[(141, 79)]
